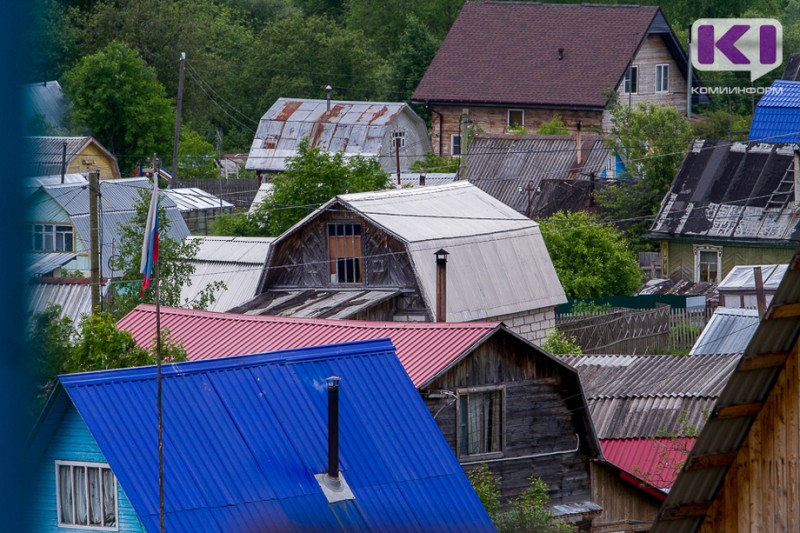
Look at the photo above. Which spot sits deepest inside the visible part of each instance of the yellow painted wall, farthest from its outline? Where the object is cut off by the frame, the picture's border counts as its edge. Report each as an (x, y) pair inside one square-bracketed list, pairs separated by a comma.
[(92, 158)]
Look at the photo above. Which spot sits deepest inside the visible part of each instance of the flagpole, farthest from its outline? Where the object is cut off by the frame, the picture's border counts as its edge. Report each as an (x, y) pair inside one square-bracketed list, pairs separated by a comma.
[(157, 276)]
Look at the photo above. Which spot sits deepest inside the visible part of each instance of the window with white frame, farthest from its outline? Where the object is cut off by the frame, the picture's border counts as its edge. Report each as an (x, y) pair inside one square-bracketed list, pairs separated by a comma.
[(480, 421), (399, 136), (51, 238), (344, 252), (516, 118), (455, 145), (662, 78), (707, 264), (87, 495), (630, 83)]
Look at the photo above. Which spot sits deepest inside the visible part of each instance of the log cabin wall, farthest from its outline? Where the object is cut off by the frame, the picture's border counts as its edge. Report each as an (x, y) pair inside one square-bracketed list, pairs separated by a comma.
[(626, 508), (541, 416), (761, 491)]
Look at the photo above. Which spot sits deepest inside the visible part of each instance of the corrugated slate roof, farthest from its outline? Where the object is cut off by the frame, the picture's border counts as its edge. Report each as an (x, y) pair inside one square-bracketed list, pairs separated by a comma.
[(194, 199), (244, 437), (732, 191), (508, 52), (425, 349), (777, 115), (728, 331), (235, 261), (73, 295), (648, 416), (310, 303), (750, 383), (653, 461), (41, 264), (354, 128), (520, 171), (48, 100)]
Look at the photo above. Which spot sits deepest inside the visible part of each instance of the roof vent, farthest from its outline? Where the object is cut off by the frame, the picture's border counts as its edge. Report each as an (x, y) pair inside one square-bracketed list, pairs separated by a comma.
[(560, 54), (332, 482)]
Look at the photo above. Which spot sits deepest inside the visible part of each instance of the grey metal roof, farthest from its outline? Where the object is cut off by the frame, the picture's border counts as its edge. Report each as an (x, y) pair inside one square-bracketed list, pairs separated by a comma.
[(73, 295), (498, 262), (411, 179), (48, 100), (732, 191), (728, 331), (194, 199), (43, 155), (354, 128), (235, 261), (40, 264), (264, 191), (751, 383), (337, 304), (741, 277), (639, 396), (33, 183), (524, 171)]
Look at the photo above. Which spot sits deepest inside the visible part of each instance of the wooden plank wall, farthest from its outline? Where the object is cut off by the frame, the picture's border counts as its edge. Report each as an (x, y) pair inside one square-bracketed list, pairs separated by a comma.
[(625, 508), (681, 258), (761, 491)]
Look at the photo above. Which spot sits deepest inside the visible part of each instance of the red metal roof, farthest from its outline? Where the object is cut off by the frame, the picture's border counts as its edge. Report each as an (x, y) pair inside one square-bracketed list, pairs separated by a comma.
[(653, 461), (424, 349)]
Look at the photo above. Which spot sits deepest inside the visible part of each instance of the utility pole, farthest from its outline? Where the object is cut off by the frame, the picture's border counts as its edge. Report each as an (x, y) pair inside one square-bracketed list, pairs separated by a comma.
[(464, 142), (397, 157), (94, 239), (63, 161), (689, 80), (178, 107)]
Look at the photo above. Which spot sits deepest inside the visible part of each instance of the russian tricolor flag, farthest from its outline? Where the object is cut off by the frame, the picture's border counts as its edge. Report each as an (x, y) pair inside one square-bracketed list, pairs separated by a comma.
[(150, 245)]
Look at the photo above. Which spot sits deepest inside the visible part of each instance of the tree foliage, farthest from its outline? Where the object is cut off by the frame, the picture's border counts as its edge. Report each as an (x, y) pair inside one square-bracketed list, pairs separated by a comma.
[(559, 343), (312, 178), (175, 264), (591, 259), (555, 126), (435, 163), (115, 96), (652, 142)]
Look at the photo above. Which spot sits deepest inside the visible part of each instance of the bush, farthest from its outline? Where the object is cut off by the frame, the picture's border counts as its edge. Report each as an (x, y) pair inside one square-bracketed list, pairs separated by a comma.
[(558, 343)]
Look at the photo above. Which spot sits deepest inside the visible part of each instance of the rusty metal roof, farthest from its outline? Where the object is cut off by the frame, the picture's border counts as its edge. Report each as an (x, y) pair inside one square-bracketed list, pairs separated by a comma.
[(732, 192), (425, 349), (751, 383), (354, 128)]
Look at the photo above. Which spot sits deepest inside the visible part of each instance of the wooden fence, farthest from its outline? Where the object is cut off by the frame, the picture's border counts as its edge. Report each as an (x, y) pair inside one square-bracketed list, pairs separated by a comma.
[(634, 331), (239, 192)]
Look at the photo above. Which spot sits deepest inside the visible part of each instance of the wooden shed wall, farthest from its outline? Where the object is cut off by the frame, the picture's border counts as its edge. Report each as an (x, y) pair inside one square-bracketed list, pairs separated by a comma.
[(680, 257), (625, 508), (542, 415), (761, 491)]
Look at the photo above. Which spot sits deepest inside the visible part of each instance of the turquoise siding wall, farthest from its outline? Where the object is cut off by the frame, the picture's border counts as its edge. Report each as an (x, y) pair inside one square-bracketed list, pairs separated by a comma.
[(71, 442)]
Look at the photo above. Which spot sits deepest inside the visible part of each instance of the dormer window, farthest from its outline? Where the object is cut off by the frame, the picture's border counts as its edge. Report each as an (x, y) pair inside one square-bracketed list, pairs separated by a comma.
[(51, 238), (344, 252), (399, 136)]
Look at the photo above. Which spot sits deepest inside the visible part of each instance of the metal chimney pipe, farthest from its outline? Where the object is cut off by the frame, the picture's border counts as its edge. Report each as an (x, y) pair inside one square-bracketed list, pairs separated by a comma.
[(441, 285), (797, 176), (333, 426), (63, 161), (761, 298), (328, 90), (422, 180), (578, 157)]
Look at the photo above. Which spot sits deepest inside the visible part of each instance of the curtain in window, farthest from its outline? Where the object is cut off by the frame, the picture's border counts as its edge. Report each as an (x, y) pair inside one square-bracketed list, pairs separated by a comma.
[(109, 498), (477, 418), (65, 494), (79, 485), (95, 512)]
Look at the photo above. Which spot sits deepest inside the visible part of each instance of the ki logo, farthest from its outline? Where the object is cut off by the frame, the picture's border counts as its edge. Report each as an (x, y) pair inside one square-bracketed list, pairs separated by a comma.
[(754, 45)]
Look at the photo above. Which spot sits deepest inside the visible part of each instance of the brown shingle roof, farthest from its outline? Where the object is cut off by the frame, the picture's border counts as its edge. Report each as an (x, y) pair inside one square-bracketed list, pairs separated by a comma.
[(508, 52)]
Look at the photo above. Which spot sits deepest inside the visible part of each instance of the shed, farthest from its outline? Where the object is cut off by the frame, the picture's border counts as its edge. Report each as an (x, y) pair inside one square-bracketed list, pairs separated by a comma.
[(371, 255), (728, 331), (777, 114), (367, 129), (198, 207), (246, 476), (544, 428), (742, 474), (738, 289), (44, 156), (235, 261)]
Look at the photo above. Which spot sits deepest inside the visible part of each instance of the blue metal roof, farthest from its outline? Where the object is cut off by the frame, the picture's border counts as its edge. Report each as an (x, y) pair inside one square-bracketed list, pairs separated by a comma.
[(244, 437), (777, 116)]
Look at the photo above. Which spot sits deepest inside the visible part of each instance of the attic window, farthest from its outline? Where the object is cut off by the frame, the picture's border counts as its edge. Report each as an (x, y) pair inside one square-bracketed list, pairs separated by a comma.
[(662, 78), (516, 118), (51, 238), (399, 136), (707, 264), (480, 421), (631, 82), (344, 252), (86, 495)]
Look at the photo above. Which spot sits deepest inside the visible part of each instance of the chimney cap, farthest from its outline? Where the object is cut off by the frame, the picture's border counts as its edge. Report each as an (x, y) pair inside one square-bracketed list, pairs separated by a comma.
[(333, 381), (441, 254)]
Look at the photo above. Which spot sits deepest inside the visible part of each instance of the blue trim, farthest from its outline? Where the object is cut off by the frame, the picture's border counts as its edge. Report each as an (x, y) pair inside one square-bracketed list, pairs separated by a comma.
[(293, 356)]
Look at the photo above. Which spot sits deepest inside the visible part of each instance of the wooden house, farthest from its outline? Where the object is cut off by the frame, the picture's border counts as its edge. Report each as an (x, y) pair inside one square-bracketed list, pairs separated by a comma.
[(372, 256), (497, 398), (508, 64), (45, 156), (390, 132), (647, 410), (249, 446), (743, 473), (58, 221), (731, 203)]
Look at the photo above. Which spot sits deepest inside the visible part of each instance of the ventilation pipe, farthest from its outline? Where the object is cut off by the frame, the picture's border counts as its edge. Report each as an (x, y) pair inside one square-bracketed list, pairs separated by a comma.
[(441, 285), (328, 90), (578, 155), (422, 180), (333, 426)]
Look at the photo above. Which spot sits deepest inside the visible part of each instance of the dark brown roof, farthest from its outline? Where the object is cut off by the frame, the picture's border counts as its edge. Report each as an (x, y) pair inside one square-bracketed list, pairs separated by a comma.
[(508, 52)]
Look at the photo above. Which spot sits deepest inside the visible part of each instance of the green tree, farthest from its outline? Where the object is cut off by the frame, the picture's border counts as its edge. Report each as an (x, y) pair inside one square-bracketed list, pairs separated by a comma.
[(435, 163), (50, 342), (652, 141), (117, 98), (238, 225), (559, 343), (196, 156), (101, 345), (175, 265), (312, 178), (555, 126), (410, 59), (592, 259)]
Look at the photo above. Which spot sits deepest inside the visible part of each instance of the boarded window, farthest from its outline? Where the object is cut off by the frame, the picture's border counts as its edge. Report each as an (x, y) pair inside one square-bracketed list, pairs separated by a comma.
[(344, 252), (87, 495), (631, 83), (480, 416)]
